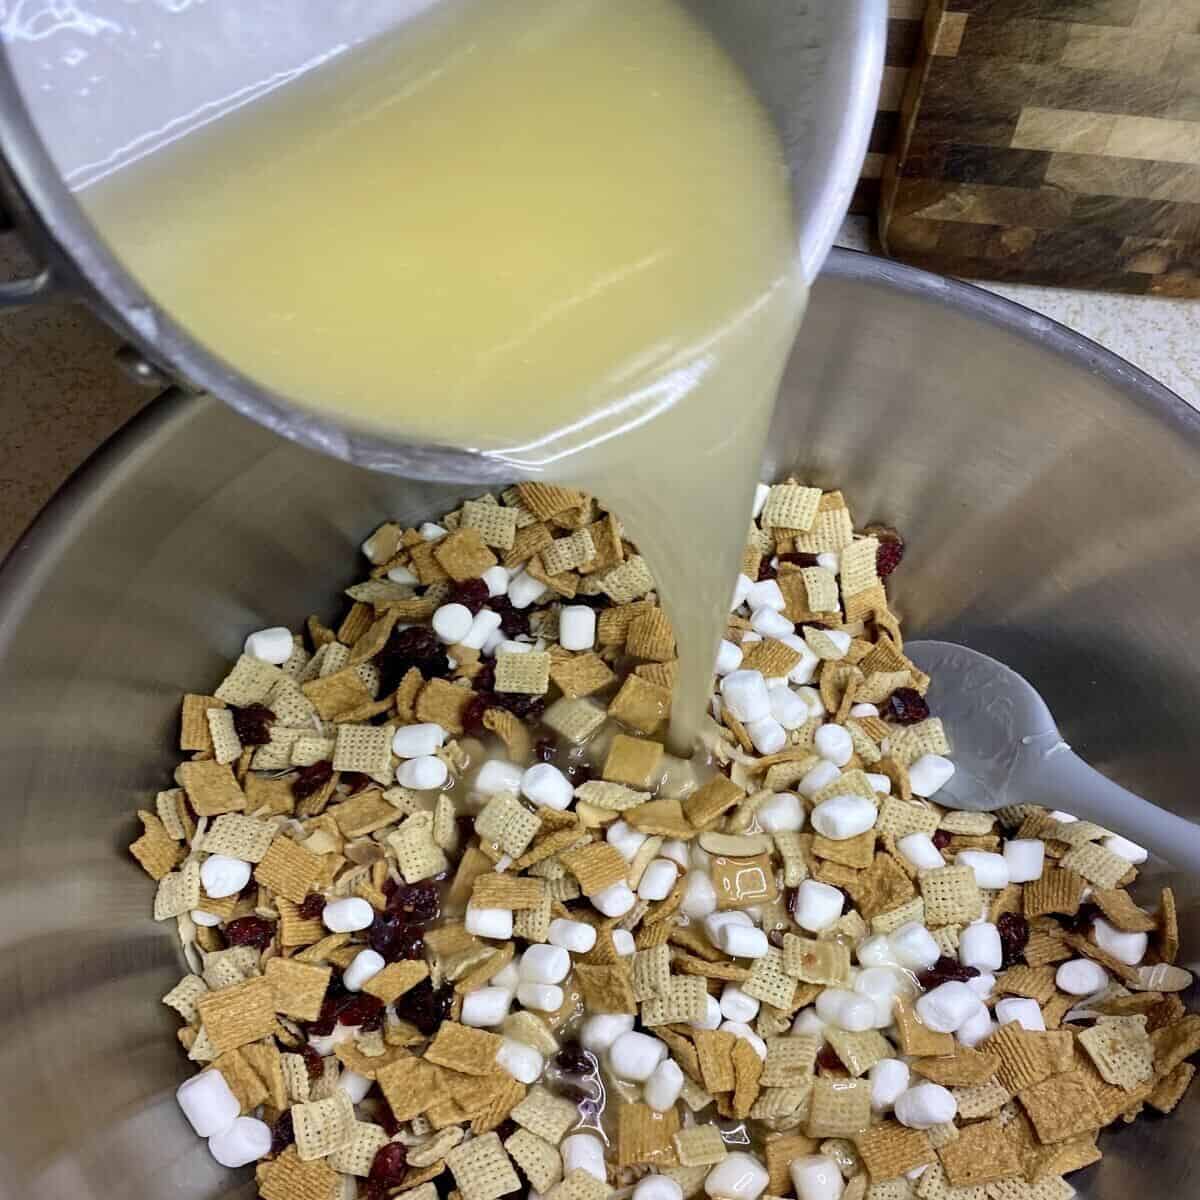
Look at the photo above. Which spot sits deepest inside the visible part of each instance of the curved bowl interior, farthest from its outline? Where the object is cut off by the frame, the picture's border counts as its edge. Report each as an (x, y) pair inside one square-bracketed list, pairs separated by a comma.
[(1049, 494)]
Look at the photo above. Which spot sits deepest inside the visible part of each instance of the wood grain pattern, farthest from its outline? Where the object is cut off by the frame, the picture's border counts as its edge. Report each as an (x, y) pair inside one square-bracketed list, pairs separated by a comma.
[(1051, 141)]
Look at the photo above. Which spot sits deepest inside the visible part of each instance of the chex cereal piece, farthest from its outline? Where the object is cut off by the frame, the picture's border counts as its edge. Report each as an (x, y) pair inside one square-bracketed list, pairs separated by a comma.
[(596, 865), (357, 1155), (790, 506), (889, 1150), (239, 1014), (857, 852), (158, 853), (417, 854), (583, 674), (902, 817), (568, 553), (651, 972), (364, 748), (463, 555), (820, 588), (1035, 983), (683, 1000), (712, 800), (507, 823), (614, 797), (831, 530), (298, 989), (981, 1099), (907, 744), (630, 580), (547, 1115), (172, 812), (574, 720), (633, 761), (482, 1168), (981, 1153), (183, 996), (323, 1126), (700, 1146), (540, 1161), (579, 1185), (527, 674), (1171, 1087), (1061, 1107), (651, 637), (891, 919), (250, 682), (769, 982), (1121, 1050), (239, 837), (714, 1051), (839, 1108), (951, 896), (294, 930), (495, 524), (967, 1067), (178, 892), (289, 870), (461, 1048), (856, 568), (546, 500), (915, 1038), (789, 1058), (533, 924), (859, 1052), (440, 702), (363, 814), (771, 657), (514, 892), (1119, 909), (639, 704), (288, 1178), (1098, 866), (211, 788), (645, 1136), (226, 745), (790, 847), (1057, 891), (224, 968), (194, 731), (1026, 1057)]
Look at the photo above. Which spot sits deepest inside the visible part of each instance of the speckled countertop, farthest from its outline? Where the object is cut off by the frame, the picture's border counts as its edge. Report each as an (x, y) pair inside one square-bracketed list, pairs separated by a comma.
[(62, 394)]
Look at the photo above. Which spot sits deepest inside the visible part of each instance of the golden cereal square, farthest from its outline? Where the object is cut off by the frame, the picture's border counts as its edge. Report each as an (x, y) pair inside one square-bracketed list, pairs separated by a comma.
[(839, 1108), (651, 637), (211, 788), (633, 761), (323, 1126), (857, 566), (771, 657), (482, 1169), (645, 1136), (463, 555), (237, 1015), (442, 703), (226, 745), (290, 870), (597, 865), (287, 1178), (821, 589), (461, 1048), (335, 695), (951, 896), (700, 1145), (859, 1052), (813, 961), (712, 800), (358, 1154), (582, 675), (1058, 891), (902, 817), (1098, 866), (790, 506), (981, 1099), (1121, 1050), (789, 1058), (568, 553), (250, 682), (364, 748), (714, 1049), (982, 1153), (514, 892), (640, 705), (299, 989), (628, 581), (158, 853), (550, 1117), (526, 674), (178, 892), (683, 1001), (495, 524), (1061, 1107), (889, 1150), (574, 719), (540, 1161), (239, 837), (769, 982)]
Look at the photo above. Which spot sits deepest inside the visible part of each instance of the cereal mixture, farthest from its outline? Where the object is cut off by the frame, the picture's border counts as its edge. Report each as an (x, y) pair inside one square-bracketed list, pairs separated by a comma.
[(459, 925)]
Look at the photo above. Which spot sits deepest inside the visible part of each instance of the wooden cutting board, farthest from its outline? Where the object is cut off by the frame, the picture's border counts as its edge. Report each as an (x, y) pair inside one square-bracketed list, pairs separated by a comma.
[(1052, 141)]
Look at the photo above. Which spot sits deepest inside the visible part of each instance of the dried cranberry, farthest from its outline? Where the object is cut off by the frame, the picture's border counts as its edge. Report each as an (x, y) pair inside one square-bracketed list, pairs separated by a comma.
[(312, 906), (390, 1163), (513, 621), (283, 1133), (250, 931), (578, 1093), (485, 678), (942, 838), (373, 1022), (360, 1009), (506, 1129), (596, 600), (1014, 936), (310, 780), (766, 571), (252, 724), (356, 781), (425, 1007), (891, 549), (775, 938), (946, 970), (906, 706), (417, 646), (828, 1060), (1081, 922), (577, 772), (545, 750), (528, 708), (393, 939), (416, 903), (799, 558), (471, 593), (313, 1062), (575, 1059), (473, 711)]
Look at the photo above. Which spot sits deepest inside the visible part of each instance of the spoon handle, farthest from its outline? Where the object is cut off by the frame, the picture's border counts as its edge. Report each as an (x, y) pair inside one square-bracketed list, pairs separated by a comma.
[(1066, 782)]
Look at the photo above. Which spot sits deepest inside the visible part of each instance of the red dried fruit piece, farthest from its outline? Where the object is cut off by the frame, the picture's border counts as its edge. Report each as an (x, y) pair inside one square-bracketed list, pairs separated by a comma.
[(471, 593), (513, 621), (310, 780), (425, 1007), (389, 1164), (528, 708), (905, 706), (253, 724), (1081, 922), (312, 906), (355, 781), (891, 549), (827, 1059), (359, 1009), (545, 750), (1014, 937), (416, 903), (250, 931), (283, 1133), (799, 558), (473, 712), (417, 646), (946, 970), (942, 838), (575, 1059), (485, 678), (313, 1062), (393, 939), (766, 571)]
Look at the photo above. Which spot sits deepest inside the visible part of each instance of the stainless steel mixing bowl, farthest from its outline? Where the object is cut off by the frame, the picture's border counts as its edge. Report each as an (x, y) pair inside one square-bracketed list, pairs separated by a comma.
[(1050, 494)]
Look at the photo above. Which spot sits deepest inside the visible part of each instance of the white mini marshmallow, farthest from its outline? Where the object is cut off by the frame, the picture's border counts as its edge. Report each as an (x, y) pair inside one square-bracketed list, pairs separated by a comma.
[(876, 951), (544, 964), (919, 850), (983, 984), (782, 813), (423, 773), (1129, 948), (769, 623), (663, 1087), (761, 492), (205, 920), (840, 640), (807, 1021), (623, 942), (1026, 858), (846, 1010), (817, 779), (452, 623), (576, 936), (991, 870), (740, 1029), (766, 593), (507, 646), (787, 708), (818, 905), (914, 946), (745, 695), (716, 921), (736, 1005), (355, 1086), (417, 741), (889, 1081), (699, 895), (864, 710), (633, 1056), (544, 997), (577, 627), (806, 666), (614, 901), (929, 774), (497, 579), (272, 645), (676, 849), (768, 735), (976, 1028), (817, 1177), (508, 977), (1081, 977), (208, 1103), (834, 744), (947, 1007), (831, 560), (546, 786), (524, 590), (881, 785), (1026, 1013), (599, 1032), (657, 1187), (842, 817), (742, 941), (738, 1176), (729, 657), (882, 986), (364, 966), (1124, 848), (245, 1141), (489, 922), (926, 1105), (657, 880), (347, 915), (712, 1015), (497, 775), (741, 589), (584, 1152), (483, 627), (979, 946), (485, 1006), (431, 531), (403, 575), (224, 876), (624, 839), (520, 1060), (1063, 818)]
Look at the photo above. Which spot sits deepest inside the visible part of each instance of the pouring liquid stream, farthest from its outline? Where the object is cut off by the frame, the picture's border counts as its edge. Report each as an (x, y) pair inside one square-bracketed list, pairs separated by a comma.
[(555, 231)]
